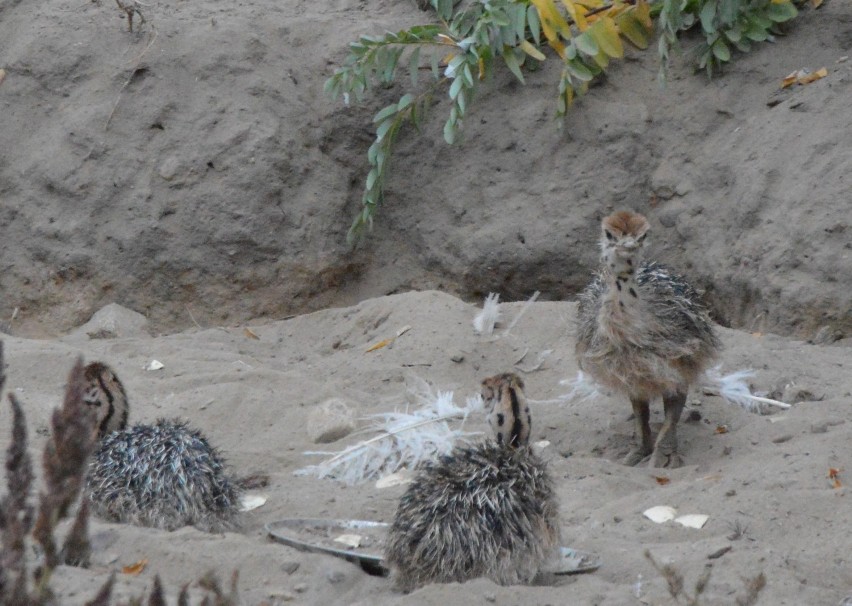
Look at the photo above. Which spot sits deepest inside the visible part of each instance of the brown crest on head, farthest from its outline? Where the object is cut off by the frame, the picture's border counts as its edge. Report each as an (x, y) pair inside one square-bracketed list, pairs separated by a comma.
[(626, 223), (509, 415)]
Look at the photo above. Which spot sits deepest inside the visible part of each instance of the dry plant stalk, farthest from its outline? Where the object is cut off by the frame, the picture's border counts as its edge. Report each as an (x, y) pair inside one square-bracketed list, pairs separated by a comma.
[(66, 456), (131, 8), (16, 516), (675, 583)]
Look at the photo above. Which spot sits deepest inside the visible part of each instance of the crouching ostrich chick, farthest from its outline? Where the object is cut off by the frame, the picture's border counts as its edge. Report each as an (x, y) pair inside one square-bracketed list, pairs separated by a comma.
[(483, 510), (643, 332), (164, 475)]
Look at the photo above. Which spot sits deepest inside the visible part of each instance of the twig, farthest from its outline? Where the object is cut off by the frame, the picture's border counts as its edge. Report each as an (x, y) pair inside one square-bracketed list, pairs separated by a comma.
[(191, 317), (524, 309), (131, 9), (129, 78)]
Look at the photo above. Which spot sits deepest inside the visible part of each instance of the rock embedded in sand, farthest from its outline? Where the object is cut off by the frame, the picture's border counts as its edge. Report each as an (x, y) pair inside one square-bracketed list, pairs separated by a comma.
[(330, 421), (114, 321)]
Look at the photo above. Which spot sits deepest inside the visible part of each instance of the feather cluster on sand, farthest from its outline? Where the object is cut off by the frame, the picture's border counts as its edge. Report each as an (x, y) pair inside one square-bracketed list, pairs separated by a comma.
[(732, 387), (735, 390), (485, 321), (404, 439)]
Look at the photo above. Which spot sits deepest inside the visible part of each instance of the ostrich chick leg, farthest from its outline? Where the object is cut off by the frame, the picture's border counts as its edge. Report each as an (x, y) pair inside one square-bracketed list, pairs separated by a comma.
[(665, 450), (644, 444)]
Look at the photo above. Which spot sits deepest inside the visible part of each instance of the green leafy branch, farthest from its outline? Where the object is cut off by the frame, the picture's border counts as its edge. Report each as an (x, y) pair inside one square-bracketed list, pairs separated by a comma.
[(469, 44), (725, 24)]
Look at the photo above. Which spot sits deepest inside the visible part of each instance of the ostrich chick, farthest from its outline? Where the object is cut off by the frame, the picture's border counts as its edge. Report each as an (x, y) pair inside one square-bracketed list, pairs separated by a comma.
[(482, 510), (164, 475), (643, 332)]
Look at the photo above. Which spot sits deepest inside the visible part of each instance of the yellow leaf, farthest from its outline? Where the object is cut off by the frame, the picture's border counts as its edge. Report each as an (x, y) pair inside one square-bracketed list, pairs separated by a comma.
[(558, 46), (546, 27), (445, 39), (662, 480), (589, 3), (605, 34), (803, 77), (136, 568), (790, 80), (834, 476), (379, 345), (250, 334), (577, 13), (532, 51), (642, 12), (601, 59), (632, 29), (813, 77), (552, 22), (816, 3)]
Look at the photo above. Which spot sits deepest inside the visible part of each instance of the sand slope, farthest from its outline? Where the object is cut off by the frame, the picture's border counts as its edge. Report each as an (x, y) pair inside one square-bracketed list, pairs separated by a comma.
[(252, 398)]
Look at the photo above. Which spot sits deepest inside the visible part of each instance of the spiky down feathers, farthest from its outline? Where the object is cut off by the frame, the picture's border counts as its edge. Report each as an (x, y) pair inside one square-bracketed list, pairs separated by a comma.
[(164, 475), (483, 510), (666, 349)]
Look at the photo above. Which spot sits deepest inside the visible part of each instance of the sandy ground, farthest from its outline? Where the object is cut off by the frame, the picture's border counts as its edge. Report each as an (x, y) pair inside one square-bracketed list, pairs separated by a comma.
[(768, 474)]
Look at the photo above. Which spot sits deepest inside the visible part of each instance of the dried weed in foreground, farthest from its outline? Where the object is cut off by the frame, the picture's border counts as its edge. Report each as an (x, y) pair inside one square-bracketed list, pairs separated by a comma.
[(675, 582), (65, 457), (65, 461)]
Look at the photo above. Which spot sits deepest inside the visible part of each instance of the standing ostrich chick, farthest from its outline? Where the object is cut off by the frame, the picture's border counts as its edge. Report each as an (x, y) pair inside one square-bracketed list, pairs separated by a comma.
[(483, 510), (164, 475), (642, 332)]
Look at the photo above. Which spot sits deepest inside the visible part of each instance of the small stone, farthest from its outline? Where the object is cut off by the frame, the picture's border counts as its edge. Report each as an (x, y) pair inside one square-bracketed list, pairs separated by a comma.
[(301, 588), (457, 357), (693, 416), (490, 597), (169, 168), (330, 421), (781, 439), (335, 576), (290, 567), (664, 180), (827, 335), (793, 394), (821, 428), (684, 187)]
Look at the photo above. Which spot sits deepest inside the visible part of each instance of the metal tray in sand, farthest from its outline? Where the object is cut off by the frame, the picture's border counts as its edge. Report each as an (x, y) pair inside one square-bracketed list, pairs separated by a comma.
[(318, 535)]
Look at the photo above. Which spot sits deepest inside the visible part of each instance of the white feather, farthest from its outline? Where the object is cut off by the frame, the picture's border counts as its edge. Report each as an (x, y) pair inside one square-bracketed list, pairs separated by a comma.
[(486, 319), (527, 304), (583, 388), (402, 440), (734, 389)]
